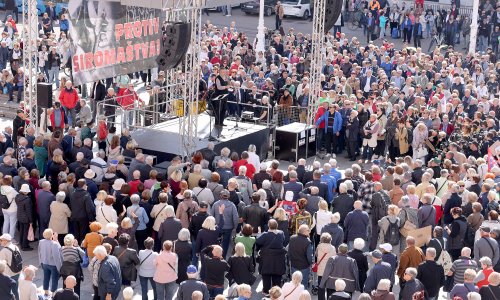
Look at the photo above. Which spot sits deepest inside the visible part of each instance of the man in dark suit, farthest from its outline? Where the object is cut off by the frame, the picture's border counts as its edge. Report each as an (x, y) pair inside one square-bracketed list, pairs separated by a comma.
[(98, 94), (352, 134), (19, 122), (366, 82)]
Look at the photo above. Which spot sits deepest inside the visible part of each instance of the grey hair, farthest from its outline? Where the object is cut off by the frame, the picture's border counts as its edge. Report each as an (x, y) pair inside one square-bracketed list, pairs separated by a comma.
[(135, 199), (412, 272), (204, 164), (384, 285), (29, 271), (149, 160), (343, 188), (349, 184), (169, 211), (348, 172), (100, 250), (68, 240), (266, 184), (184, 235), (431, 252), (197, 168), (252, 148), (358, 244), (339, 285), (485, 260), (473, 296), (296, 278), (335, 218), (60, 196)]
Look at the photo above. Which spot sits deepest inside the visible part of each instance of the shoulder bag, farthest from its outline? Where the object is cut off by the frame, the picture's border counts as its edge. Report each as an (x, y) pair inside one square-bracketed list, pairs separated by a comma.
[(315, 266), (407, 227)]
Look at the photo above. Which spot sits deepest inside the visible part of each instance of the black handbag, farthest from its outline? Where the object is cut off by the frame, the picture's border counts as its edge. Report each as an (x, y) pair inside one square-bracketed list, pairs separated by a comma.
[(448, 283)]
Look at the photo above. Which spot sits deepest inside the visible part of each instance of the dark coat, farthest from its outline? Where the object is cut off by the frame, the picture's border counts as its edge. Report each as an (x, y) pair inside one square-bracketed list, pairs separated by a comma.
[(353, 129), (454, 201), (184, 251), (128, 260), (341, 266), (241, 270), (343, 204), (361, 262), (272, 261), (432, 277), (24, 209), (410, 288), (29, 164), (336, 232), (82, 206), (43, 202), (109, 278), (169, 229)]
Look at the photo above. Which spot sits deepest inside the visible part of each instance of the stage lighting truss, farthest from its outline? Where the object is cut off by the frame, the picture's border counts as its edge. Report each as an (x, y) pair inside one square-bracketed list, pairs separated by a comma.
[(30, 36), (318, 52)]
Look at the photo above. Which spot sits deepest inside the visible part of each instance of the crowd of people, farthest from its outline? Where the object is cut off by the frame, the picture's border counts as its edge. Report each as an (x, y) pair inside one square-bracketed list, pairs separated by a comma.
[(424, 124)]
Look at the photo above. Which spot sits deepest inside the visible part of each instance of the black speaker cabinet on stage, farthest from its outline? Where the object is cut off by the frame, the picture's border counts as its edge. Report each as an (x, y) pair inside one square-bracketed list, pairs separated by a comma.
[(333, 9), (294, 141), (44, 95), (175, 43)]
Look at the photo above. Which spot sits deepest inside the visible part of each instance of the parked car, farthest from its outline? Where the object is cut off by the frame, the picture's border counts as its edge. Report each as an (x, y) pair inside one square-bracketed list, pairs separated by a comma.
[(297, 8), (253, 7)]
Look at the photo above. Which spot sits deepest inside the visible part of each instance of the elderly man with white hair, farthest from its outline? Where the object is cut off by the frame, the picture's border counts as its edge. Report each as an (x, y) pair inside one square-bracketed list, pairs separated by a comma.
[(334, 230), (383, 290), (27, 289), (99, 166), (109, 277)]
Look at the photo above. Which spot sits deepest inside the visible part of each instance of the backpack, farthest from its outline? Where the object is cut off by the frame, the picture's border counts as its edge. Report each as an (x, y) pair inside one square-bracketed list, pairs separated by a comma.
[(392, 234), (444, 259), (16, 264), (469, 236), (4, 201)]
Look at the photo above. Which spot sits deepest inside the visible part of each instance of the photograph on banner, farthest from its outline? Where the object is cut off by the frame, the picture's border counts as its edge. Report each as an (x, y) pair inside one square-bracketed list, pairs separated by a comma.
[(110, 39)]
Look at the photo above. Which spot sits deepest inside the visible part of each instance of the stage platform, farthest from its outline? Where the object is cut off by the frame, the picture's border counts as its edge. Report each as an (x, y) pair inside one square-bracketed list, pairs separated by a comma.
[(163, 140)]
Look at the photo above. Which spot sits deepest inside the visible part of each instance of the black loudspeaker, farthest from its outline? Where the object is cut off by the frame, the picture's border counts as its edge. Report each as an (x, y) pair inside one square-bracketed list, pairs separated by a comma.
[(44, 95), (333, 8), (174, 45)]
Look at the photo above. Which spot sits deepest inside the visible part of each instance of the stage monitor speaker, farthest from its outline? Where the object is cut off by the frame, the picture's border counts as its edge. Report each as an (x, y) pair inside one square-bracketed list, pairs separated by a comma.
[(333, 8), (44, 95), (174, 45)]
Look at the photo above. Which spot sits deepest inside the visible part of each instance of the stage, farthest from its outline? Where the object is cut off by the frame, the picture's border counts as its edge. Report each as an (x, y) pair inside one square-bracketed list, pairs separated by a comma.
[(163, 140)]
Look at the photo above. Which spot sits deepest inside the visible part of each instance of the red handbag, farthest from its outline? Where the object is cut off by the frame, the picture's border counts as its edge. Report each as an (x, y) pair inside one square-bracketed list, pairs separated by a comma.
[(314, 267)]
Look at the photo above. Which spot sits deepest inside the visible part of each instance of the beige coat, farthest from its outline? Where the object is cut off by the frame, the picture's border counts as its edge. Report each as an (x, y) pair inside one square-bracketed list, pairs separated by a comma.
[(159, 213), (60, 213), (320, 251), (279, 11), (402, 136)]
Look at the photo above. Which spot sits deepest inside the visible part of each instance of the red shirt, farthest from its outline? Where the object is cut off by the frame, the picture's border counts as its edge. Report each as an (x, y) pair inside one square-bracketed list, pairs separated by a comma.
[(244, 162), (134, 184), (321, 111), (128, 99)]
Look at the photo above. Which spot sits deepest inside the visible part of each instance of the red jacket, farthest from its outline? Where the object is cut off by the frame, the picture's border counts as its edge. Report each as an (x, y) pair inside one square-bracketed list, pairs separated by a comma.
[(68, 99), (449, 129), (244, 162), (103, 131), (53, 119), (128, 99), (319, 113)]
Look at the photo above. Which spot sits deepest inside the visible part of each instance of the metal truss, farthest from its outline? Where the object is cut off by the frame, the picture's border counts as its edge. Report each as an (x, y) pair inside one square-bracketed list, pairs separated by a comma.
[(183, 81), (30, 35), (318, 48)]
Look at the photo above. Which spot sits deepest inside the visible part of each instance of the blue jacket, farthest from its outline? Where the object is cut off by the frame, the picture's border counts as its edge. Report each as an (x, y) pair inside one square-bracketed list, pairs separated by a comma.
[(337, 123), (332, 185), (109, 278)]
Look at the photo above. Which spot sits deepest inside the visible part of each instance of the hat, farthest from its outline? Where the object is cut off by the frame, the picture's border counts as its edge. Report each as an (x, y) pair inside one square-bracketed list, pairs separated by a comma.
[(117, 185), (192, 269), (224, 194), (485, 228), (89, 174), (436, 161), (5, 237), (386, 246), (376, 254), (289, 196), (203, 204), (25, 188)]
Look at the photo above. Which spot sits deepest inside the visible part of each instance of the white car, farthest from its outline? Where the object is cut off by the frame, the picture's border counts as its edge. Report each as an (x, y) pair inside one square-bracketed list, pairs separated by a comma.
[(297, 8)]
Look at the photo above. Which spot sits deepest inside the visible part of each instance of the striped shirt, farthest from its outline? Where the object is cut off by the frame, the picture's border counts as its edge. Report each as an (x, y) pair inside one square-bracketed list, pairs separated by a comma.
[(459, 266), (71, 254)]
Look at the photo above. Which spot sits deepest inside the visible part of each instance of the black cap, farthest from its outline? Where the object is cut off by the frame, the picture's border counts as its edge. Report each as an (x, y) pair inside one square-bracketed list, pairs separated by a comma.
[(203, 204)]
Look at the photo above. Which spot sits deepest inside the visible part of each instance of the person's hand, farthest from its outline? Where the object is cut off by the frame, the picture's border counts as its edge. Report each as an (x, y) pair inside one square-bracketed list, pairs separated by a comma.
[(221, 209), (338, 133), (75, 243), (108, 296)]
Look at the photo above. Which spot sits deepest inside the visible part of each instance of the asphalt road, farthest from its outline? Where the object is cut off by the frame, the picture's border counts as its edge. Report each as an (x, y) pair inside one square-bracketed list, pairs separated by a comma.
[(248, 24)]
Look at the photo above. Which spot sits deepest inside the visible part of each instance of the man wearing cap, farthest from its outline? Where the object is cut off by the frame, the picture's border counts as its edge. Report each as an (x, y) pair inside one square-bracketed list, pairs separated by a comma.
[(486, 246), (343, 267), (230, 215), (8, 249), (82, 210), (191, 285), (380, 270), (92, 188)]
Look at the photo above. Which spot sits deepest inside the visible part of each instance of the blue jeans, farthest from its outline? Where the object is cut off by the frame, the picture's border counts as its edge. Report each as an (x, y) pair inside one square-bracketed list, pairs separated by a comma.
[(20, 90), (54, 75), (215, 291), (9, 222), (144, 287), (70, 113), (165, 291), (15, 288), (226, 239), (50, 273), (305, 276)]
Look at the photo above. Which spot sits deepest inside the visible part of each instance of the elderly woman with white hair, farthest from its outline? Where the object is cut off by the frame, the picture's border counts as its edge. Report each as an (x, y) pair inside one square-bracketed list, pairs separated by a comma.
[(324, 250), (72, 255), (383, 291), (293, 288), (339, 291), (129, 227), (420, 134), (358, 255), (483, 275), (138, 214), (184, 250), (60, 213), (462, 289), (241, 266)]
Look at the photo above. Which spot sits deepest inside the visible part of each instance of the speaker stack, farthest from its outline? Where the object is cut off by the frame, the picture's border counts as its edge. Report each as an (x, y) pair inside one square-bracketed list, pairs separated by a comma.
[(44, 95), (174, 45), (332, 13)]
